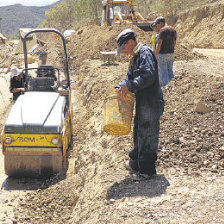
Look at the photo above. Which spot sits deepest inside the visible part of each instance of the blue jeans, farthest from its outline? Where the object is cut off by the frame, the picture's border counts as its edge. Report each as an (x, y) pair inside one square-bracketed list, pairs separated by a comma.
[(165, 68)]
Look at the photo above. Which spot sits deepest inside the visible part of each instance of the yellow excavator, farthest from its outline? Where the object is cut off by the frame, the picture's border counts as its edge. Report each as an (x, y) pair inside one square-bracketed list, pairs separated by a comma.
[(122, 11), (38, 131)]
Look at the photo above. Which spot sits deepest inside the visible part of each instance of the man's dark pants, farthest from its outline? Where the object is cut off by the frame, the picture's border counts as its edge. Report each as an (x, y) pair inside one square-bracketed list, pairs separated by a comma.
[(145, 134)]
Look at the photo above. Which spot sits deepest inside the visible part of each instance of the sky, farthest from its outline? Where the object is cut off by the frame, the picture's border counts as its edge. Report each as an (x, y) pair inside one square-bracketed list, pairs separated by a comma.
[(27, 2)]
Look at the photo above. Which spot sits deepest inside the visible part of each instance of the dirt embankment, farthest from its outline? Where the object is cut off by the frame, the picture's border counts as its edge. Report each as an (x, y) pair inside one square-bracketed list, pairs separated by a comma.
[(202, 27), (98, 189), (85, 45)]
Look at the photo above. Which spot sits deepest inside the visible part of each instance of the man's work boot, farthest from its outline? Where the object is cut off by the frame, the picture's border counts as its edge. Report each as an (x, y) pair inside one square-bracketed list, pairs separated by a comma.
[(141, 177), (148, 164), (132, 165), (133, 154)]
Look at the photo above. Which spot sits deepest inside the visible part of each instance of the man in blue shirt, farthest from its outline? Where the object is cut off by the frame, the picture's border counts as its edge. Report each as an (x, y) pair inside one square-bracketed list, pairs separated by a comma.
[(142, 79)]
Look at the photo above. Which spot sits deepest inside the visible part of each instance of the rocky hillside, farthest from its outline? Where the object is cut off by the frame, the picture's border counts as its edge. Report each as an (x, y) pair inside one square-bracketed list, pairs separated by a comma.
[(19, 16), (202, 27)]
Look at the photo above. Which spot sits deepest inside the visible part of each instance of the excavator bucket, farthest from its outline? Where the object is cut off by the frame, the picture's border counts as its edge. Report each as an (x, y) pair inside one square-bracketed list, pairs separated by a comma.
[(145, 26)]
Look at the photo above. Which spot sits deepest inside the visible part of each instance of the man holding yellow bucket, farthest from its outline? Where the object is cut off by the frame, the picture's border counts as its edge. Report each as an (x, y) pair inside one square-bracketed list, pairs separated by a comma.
[(142, 79)]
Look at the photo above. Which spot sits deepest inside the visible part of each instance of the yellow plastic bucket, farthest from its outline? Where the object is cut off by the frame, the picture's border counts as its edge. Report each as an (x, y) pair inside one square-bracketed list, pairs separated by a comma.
[(118, 113)]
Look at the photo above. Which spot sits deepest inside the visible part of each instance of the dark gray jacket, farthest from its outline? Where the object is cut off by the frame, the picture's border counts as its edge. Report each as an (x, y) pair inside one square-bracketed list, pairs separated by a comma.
[(142, 79)]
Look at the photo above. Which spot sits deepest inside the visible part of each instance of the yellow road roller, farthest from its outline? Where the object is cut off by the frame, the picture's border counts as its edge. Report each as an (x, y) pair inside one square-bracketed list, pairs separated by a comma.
[(38, 131)]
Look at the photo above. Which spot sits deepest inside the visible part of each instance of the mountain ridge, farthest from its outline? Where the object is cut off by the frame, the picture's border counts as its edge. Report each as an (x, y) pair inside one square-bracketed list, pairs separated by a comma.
[(18, 16)]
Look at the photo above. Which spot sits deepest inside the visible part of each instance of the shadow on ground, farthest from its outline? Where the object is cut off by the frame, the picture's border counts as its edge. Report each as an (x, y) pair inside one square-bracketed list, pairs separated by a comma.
[(128, 188), (31, 183)]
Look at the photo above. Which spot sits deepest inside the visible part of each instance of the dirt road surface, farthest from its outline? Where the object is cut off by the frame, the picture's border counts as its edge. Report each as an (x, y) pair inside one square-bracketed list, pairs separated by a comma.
[(210, 52)]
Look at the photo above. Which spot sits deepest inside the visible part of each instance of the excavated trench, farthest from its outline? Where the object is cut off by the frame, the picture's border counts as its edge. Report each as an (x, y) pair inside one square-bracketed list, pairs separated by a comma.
[(97, 182)]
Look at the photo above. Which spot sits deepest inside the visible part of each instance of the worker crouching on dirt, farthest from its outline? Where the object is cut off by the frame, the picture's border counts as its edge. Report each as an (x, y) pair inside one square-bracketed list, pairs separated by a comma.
[(45, 70), (142, 79), (42, 57), (16, 83)]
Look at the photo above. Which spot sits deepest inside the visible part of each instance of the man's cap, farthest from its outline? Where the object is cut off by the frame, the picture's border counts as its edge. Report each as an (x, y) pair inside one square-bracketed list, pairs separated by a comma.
[(158, 20), (123, 38), (15, 71), (42, 53)]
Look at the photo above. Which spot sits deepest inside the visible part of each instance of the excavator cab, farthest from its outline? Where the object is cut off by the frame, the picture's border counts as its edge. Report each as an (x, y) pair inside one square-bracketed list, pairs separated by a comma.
[(38, 131), (122, 11), (117, 11)]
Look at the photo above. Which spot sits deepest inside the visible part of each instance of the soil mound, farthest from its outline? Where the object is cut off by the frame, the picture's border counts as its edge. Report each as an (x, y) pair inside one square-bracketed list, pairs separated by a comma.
[(202, 27), (89, 41)]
